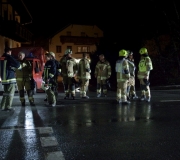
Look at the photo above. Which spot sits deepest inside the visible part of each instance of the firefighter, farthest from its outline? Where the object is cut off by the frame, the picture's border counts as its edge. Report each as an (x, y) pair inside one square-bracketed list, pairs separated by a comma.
[(131, 91), (24, 78), (58, 69), (69, 68), (102, 73), (8, 79), (144, 68), (84, 75), (49, 79), (122, 75)]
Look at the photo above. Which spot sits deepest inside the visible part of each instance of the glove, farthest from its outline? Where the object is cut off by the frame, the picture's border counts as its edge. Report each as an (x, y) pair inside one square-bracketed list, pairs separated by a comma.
[(24, 65), (51, 75), (13, 68)]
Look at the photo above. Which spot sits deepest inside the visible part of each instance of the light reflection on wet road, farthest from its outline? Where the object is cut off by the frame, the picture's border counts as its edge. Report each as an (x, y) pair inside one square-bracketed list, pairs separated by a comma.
[(94, 128)]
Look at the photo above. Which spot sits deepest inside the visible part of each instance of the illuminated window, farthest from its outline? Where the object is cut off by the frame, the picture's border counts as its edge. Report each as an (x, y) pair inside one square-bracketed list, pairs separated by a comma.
[(68, 33), (78, 49), (58, 49), (83, 49)]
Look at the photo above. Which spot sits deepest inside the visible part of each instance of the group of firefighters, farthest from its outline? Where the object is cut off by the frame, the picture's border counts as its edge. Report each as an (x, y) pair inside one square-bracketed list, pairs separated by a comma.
[(72, 72)]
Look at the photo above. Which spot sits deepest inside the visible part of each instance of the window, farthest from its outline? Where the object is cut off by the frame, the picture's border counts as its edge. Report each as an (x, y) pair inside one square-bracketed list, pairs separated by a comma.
[(58, 49), (83, 34), (83, 49), (68, 33), (79, 49), (69, 47)]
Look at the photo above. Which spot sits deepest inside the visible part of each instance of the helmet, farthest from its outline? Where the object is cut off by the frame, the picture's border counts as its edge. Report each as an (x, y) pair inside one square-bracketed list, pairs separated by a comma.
[(143, 51), (123, 53), (68, 51), (52, 54)]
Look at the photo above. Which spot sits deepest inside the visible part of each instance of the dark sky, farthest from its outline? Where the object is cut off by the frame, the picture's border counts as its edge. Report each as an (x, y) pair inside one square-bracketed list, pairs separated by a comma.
[(123, 17)]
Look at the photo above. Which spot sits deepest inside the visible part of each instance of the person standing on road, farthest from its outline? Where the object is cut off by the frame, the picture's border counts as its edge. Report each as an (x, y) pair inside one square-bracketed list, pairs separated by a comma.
[(144, 68), (58, 69), (49, 79), (131, 91), (102, 73), (84, 75), (122, 75), (7, 69), (24, 78), (69, 69)]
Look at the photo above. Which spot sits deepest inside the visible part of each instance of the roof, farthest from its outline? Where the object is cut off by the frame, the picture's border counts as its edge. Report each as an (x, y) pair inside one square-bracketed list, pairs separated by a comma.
[(67, 25), (22, 10)]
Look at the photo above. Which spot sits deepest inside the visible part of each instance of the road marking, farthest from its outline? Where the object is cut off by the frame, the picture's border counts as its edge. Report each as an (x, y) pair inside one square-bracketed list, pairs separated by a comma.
[(55, 156), (48, 141), (45, 130), (169, 100)]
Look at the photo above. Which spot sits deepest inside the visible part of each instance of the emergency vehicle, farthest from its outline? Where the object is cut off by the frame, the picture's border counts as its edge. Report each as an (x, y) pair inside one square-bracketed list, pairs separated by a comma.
[(36, 55)]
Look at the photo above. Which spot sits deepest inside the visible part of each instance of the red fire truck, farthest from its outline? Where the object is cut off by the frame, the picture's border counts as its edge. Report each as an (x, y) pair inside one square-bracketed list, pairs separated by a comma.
[(36, 55)]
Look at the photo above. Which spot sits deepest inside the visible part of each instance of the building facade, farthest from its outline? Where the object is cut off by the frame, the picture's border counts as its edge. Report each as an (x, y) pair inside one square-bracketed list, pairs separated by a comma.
[(12, 25), (78, 38)]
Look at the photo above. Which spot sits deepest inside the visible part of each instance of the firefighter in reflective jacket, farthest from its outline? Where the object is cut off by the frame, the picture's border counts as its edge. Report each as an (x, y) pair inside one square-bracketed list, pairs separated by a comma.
[(23, 78), (49, 79), (144, 68), (8, 79), (69, 68), (84, 75), (122, 75), (58, 71), (131, 91), (102, 73)]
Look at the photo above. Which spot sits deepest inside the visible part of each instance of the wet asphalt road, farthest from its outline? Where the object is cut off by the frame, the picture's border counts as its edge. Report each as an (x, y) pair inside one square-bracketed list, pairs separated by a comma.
[(93, 129)]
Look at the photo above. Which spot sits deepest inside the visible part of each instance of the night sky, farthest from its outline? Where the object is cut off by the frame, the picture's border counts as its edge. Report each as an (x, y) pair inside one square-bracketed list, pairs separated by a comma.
[(128, 19)]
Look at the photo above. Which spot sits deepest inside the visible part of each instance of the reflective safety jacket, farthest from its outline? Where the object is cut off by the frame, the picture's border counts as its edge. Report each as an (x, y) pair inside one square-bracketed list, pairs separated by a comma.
[(49, 70), (7, 69), (122, 70), (25, 72), (103, 70), (84, 69), (69, 66), (144, 67), (132, 68)]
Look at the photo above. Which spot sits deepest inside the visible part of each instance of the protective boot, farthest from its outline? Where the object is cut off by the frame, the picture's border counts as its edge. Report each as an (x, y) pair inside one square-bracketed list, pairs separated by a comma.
[(134, 97), (143, 97), (66, 95), (85, 97), (30, 97), (148, 99), (98, 95), (22, 99)]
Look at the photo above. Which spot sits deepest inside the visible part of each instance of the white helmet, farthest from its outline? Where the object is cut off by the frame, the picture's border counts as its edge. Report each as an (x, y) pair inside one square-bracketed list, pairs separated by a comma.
[(68, 51), (52, 54)]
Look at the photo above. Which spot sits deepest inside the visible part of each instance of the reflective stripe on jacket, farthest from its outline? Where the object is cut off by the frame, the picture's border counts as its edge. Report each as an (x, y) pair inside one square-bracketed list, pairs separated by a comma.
[(7, 69), (122, 70)]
